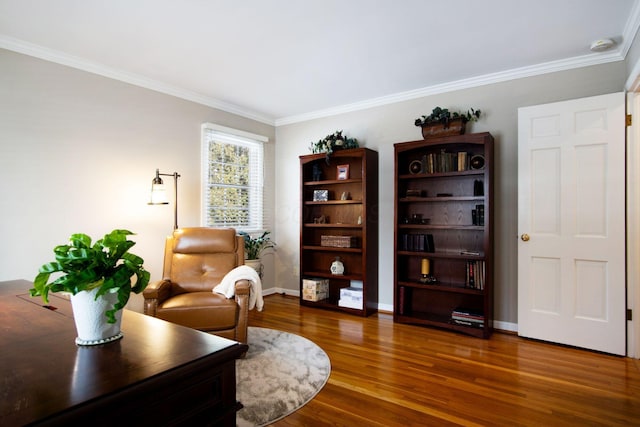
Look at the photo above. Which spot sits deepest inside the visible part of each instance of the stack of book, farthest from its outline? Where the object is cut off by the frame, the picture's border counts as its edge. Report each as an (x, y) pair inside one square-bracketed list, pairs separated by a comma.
[(467, 317)]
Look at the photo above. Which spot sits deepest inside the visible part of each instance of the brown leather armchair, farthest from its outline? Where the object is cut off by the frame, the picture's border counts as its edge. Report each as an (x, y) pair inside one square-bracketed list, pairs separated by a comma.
[(195, 260)]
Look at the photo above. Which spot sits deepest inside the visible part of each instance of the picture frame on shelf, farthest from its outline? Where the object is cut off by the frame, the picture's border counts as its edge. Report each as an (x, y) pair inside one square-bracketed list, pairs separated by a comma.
[(320, 195), (342, 172)]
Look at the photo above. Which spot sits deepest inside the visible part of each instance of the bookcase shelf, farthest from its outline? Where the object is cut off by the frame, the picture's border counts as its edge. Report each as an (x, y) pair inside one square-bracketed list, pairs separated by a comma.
[(443, 216), (441, 227), (338, 209), (335, 202), (442, 254), (312, 225), (443, 287), (439, 199), (340, 182), (332, 249)]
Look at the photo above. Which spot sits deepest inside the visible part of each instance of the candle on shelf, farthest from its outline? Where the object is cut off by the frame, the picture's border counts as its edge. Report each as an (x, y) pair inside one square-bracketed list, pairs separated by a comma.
[(426, 277), (425, 266)]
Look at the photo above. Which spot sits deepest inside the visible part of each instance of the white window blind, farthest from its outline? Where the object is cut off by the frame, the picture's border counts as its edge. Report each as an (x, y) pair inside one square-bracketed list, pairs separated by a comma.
[(233, 178)]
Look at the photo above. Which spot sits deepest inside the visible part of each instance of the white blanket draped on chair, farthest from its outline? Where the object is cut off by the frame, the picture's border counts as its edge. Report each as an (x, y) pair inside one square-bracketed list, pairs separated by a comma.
[(227, 286)]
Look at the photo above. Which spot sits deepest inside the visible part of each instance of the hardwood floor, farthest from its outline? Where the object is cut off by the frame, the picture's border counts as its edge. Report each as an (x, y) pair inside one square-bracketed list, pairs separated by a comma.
[(387, 374)]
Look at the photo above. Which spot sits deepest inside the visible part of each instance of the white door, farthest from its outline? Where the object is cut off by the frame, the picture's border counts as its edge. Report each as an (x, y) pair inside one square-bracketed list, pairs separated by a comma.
[(571, 223)]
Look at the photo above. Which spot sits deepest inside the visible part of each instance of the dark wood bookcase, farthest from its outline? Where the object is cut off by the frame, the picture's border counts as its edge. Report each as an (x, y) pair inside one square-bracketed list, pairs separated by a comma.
[(444, 215), (339, 218)]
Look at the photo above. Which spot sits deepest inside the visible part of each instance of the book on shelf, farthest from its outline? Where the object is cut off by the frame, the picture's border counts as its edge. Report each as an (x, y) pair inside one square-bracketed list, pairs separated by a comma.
[(468, 252), (475, 274), (462, 161), (417, 242), (445, 161), (401, 300), (477, 215), (468, 323)]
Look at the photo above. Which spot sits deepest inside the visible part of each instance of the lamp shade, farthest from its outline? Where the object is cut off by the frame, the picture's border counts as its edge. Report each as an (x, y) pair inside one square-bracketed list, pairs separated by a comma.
[(158, 191), (158, 195)]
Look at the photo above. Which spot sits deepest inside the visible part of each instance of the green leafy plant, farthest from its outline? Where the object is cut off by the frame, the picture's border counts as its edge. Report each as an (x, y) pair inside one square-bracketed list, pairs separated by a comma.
[(107, 265), (333, 142), (253, 246), (443, 115)]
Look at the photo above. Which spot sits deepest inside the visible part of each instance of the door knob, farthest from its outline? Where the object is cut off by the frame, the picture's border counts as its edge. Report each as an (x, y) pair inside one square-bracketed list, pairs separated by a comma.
[(525, 237)]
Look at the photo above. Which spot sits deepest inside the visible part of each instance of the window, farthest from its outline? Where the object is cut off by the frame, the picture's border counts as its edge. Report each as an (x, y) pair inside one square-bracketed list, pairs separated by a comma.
[(233, 178)]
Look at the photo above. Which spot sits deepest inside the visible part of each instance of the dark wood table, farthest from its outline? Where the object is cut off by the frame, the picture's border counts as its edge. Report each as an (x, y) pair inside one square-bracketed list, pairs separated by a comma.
[(158, 374)]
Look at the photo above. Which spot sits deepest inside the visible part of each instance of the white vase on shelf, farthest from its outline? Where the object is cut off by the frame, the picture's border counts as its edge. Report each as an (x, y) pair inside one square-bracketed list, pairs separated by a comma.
[(337, 267)]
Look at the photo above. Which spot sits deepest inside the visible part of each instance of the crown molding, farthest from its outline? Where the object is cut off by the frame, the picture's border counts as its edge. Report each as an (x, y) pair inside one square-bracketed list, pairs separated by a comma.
[(513, 74), (619, 54), (630, 29), (51, 55)]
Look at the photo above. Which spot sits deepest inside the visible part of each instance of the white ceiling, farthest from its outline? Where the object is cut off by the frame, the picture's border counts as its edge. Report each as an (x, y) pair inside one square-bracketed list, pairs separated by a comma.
[(282, 61)]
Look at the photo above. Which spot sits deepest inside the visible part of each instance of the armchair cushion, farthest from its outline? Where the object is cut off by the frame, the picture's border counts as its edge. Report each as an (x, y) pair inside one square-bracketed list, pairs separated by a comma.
[(199, 310)]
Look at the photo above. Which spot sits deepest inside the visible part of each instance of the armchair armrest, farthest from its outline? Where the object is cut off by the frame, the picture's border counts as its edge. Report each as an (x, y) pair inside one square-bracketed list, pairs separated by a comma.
[(243, 287), (242, 292), (155, 293)]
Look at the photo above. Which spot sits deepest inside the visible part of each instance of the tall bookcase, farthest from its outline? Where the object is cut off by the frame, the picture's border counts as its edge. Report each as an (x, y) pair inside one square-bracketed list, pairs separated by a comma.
[(338, 219), (443, 246)]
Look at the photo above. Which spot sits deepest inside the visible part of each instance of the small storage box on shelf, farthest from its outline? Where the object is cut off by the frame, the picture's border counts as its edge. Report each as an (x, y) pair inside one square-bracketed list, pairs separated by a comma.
[(315, 289), (338, 221), (443, 249), (339, 241)]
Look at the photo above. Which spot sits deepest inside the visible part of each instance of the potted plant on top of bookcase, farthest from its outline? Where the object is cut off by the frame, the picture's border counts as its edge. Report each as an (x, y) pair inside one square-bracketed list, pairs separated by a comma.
[(333, 142), (443, 122)]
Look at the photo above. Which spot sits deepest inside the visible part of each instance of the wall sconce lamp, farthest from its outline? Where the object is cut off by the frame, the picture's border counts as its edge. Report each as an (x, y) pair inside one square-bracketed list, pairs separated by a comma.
[(159, 193)]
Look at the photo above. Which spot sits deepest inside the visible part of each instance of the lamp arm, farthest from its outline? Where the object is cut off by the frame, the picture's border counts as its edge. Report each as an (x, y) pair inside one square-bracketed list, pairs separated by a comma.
[(175, 176), (175, 206)]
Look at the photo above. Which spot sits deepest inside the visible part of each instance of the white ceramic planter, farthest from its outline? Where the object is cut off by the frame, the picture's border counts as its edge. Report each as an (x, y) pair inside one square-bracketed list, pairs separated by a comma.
[(91, 321)]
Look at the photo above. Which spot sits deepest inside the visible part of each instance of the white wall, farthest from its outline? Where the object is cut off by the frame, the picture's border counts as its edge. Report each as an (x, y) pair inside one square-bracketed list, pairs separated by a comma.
[(78, 153), (379, 128)]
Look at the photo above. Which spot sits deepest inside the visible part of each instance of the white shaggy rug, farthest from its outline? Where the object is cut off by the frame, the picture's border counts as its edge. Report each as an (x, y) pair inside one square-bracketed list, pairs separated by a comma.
[(280, 373)]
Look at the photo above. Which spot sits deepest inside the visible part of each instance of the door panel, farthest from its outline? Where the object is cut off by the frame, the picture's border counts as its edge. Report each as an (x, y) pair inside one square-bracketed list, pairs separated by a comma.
[(545, 209), (571, 204)]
